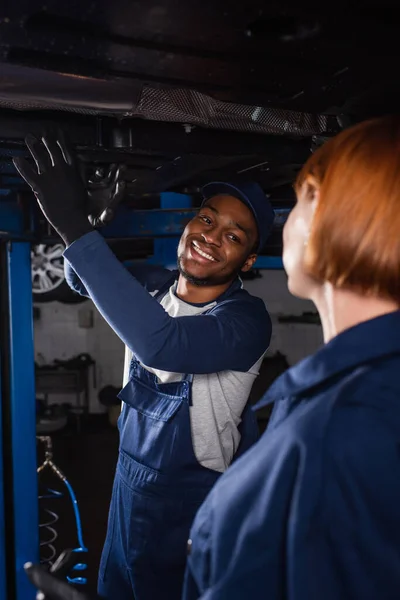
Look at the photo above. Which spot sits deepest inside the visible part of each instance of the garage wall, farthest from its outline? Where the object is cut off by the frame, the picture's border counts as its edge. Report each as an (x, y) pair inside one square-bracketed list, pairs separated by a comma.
[(294, 340), (61, 332)]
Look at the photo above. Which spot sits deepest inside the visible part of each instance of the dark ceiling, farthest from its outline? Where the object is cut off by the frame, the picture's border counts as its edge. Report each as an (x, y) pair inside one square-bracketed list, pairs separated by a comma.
[(304, 56), (182, 92)]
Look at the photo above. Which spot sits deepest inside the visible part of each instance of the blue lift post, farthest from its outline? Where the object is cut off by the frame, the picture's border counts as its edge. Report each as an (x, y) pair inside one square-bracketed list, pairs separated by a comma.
[(3, 583), (19, 541), (23, 415)]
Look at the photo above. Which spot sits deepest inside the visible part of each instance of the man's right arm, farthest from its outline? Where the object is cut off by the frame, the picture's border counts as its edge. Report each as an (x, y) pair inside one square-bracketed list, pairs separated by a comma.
[(233, 337), (73, 280), (150, 276)]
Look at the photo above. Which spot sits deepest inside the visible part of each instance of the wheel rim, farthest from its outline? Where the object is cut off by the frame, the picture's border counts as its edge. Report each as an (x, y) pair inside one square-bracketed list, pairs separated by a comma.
[(47, 268)]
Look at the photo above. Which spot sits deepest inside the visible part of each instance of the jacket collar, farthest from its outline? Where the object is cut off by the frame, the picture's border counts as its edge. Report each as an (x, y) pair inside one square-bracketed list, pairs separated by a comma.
[(356, 346), (237, 284)]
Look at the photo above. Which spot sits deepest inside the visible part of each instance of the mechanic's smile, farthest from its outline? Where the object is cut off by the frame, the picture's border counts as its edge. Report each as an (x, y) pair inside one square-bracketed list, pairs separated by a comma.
[(197, 249)]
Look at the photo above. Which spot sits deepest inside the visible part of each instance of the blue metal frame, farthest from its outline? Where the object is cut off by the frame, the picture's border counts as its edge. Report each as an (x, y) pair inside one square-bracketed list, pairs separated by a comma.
[(169, 221), (165, 225), (10, 217), (3, 581), (148, 223), (268, 262), (23, 416), (165, 249)]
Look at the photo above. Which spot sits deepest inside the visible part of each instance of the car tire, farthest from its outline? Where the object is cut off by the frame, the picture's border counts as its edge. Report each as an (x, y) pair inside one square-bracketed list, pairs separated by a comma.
[(48, 280)]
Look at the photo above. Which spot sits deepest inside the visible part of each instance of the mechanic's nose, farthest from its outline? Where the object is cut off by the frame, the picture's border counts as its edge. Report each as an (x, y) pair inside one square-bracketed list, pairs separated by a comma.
[(212, 237)]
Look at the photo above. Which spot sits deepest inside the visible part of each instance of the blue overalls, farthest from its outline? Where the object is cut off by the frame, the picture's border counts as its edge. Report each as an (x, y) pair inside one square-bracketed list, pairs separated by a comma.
[(158, 487)]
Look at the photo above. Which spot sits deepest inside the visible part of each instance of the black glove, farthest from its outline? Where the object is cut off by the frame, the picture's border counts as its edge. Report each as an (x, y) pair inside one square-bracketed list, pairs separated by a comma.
[(51, 587), (104, 196), (57, 185), (52, 584)]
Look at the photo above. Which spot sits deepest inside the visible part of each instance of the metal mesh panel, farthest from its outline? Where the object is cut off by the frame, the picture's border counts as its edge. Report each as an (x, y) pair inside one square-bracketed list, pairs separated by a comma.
[(193, 108), (188, 106), (42, 105)]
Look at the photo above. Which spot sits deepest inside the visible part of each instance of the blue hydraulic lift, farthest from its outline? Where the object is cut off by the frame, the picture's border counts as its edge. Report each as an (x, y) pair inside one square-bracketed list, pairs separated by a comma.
[(19, 520)]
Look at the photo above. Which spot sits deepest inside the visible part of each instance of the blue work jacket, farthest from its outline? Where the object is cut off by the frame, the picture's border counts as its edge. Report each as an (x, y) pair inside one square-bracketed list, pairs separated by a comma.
[(312, 511)]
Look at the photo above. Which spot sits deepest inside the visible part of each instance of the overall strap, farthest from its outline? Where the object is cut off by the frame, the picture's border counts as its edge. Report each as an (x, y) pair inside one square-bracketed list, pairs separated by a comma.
[(165, 287), (159, 296)]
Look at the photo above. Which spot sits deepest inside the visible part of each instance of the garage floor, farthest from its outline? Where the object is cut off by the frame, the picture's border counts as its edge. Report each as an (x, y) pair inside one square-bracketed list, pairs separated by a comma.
[(88, 460)]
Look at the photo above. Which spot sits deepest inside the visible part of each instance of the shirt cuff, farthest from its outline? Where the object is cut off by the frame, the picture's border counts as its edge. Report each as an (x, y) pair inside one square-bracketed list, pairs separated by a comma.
[(93, 238)]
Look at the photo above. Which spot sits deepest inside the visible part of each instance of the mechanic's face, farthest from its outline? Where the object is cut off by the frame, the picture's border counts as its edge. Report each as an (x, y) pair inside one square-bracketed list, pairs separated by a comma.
[(217, 244), (295, 239)]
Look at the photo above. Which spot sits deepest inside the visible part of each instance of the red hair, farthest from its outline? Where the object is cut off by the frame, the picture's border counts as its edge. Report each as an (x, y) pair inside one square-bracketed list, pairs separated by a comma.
[(355, 237)]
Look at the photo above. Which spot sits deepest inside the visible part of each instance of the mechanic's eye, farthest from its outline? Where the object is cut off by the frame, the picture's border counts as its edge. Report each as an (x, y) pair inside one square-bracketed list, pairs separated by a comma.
[(234, 238)]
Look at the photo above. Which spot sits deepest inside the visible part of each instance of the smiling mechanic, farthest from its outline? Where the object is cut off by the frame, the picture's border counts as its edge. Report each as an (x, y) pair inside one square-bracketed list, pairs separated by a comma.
[(194, 340)]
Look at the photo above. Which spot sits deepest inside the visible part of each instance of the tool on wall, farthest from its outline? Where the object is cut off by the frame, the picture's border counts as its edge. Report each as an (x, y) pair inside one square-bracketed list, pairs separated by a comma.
[(48, 531)]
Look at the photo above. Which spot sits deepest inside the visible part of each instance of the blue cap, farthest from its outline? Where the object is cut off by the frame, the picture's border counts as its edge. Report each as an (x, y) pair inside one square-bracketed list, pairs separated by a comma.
[(251, 194)]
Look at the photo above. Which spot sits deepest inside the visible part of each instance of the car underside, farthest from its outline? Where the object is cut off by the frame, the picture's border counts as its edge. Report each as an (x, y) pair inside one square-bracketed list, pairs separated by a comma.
[(171, 95)]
